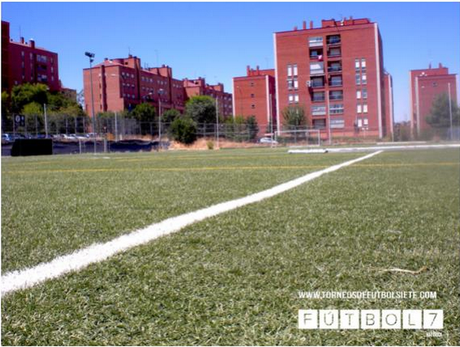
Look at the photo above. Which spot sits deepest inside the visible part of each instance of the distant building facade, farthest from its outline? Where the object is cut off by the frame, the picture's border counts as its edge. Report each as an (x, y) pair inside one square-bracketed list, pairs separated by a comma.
[(425, 86), (255, 95), (24, 62), (336, 74), (120, 84), (199, 86)]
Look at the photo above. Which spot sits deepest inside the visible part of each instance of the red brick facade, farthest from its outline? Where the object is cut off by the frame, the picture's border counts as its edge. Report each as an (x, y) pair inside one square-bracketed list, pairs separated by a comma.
[(200, 87), (120, 84), (23, 62), (336, 74), (255, 95), (426, 85)]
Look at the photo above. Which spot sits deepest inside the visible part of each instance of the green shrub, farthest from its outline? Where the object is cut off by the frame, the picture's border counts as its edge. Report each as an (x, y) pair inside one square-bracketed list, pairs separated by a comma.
[(183, 130)]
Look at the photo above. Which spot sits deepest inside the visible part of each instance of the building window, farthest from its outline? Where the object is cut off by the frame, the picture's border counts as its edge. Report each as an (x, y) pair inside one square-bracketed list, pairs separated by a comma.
[(317, 82), (336, 81), (337, 123), (296, 84), (364, 78), (364, 93), (316, 68), (315, 41), (333, 39), (294, 69), (291, 98), (359, 108), (363, 64), (336, 95), (42, 59), (358, 79), (296, 98), (336, 109), (319, 110), (318, 96), (319, 123), (334, 52), (357, 65), (364, 108), (358, 94)]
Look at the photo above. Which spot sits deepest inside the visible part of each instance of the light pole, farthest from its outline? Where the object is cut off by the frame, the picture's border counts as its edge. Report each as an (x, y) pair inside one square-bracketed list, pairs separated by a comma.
[(91, 59), (329, 135), (450, 114), (160, 93), (217, 121)]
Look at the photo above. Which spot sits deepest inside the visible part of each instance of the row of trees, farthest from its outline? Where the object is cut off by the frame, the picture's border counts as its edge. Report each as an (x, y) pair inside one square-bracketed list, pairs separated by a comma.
[(30, 99)]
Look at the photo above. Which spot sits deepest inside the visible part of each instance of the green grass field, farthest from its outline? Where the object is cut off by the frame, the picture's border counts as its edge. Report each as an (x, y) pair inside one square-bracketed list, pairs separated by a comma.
[(234, 278)]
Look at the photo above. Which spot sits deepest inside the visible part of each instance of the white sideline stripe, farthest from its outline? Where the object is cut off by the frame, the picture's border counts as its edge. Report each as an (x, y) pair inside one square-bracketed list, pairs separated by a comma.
[(368, 149), (21, 279)]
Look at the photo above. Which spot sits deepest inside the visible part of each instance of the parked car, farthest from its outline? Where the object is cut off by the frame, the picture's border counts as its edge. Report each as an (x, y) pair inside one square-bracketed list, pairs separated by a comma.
[(268, 140)]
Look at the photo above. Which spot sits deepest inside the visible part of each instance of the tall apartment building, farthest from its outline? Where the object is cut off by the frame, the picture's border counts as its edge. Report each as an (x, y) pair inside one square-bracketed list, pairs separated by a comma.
[(120, 84), (24, 62), (199, 86), (425, 86), (255, 95), (336, 73)]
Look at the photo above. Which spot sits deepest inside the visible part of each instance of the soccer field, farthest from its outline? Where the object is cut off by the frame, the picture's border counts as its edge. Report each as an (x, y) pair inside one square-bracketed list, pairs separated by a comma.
[(233, 278)]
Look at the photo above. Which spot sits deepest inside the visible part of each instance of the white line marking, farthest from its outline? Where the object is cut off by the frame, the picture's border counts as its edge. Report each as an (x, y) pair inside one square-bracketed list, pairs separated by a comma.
[(95, 253), (369, 149)]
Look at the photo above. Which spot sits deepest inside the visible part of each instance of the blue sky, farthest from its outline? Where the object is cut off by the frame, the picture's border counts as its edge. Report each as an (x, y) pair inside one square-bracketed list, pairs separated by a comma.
[(218, 40)]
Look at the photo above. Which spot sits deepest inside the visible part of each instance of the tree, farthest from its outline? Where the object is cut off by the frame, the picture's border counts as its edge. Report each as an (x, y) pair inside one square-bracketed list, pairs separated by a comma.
[(170, 115), (439, 116), (27, 93), (202, 109), (34, 116), (183, 129), (294, 116), (7, 120), (253, 127), (145, 114)]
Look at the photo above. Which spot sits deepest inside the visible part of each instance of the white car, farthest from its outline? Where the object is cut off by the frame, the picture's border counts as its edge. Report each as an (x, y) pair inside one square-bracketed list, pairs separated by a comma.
[(268, 140)]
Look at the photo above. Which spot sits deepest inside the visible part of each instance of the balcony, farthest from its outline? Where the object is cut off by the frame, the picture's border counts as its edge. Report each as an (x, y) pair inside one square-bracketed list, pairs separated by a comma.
[(333, 40), (316, 82), (334, 69), (318, 110), (336, 81), (318, 97), (315, 42), (316, 54), (334, 54), (336, 95), (317, 72)]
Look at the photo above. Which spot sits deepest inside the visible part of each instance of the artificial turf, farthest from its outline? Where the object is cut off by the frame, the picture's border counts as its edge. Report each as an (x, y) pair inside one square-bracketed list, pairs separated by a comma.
[(235, 278)]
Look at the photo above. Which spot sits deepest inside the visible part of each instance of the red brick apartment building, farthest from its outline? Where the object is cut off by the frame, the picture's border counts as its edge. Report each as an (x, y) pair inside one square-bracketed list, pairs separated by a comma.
[(24, 62), (200, 87), (255, 95), (336, 73), (120, 84), (425, 86)]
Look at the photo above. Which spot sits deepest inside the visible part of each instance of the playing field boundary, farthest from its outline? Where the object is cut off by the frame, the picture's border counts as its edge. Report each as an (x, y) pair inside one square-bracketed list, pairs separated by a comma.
[(371, 149), (80, 259)]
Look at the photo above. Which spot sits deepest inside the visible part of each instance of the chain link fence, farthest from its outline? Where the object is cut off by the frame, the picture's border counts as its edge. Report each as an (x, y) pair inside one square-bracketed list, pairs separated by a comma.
[(117, 133)]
